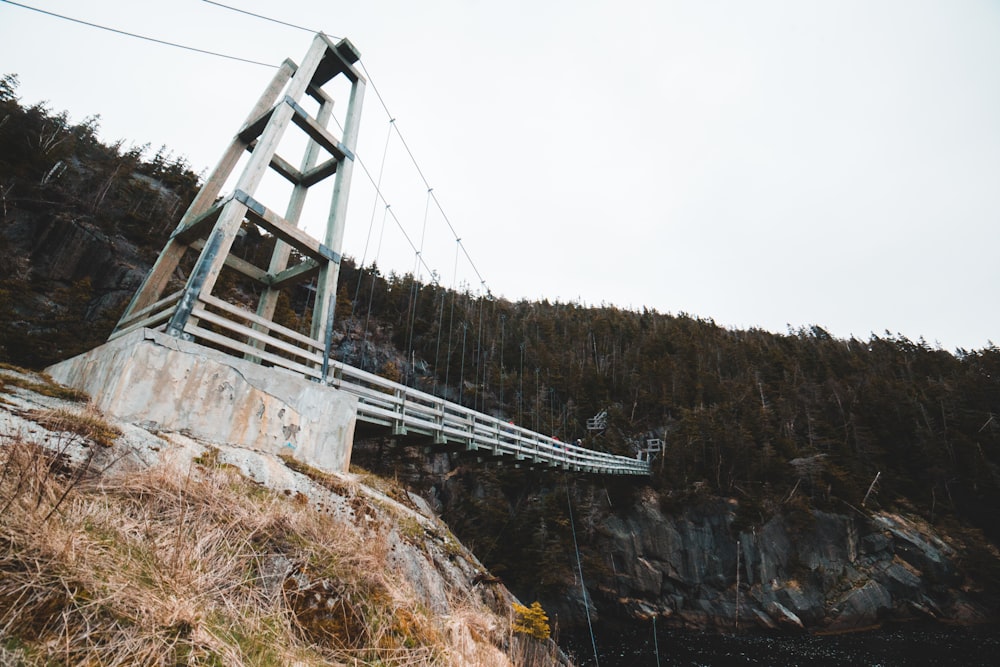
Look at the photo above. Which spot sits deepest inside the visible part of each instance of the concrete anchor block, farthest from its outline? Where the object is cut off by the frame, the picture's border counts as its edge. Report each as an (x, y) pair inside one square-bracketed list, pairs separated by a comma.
[(150, 377)]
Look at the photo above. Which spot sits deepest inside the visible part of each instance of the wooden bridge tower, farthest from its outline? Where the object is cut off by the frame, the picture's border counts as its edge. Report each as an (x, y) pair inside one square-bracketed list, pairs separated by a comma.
[(211, 224)]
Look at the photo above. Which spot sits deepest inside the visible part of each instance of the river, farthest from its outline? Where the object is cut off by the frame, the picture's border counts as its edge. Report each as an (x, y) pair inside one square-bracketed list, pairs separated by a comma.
[(631, 646)]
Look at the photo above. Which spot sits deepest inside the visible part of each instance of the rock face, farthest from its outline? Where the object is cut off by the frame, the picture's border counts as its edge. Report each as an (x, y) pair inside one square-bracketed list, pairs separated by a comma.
[(830, 572), (67, 249), (63, 282)]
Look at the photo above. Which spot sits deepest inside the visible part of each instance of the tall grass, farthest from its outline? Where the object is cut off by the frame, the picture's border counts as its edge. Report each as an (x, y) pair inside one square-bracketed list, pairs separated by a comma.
[(203, 566)]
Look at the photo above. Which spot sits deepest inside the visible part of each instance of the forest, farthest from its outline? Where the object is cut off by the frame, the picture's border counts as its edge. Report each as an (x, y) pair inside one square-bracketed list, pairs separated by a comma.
[(798, 419)]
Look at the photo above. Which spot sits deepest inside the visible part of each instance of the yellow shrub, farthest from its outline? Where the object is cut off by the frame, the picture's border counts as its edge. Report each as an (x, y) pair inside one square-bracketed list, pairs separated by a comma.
[(532, 620)]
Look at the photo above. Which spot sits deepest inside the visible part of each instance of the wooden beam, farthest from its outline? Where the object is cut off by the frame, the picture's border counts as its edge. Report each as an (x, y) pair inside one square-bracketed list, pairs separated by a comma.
[(146, 323), (287, 232), (285, 168), (318, 173), (317, 132), (233, 262), (301, 271), (339, 59), (191, 229), (152, 308), (280, 165), (243, 348), (236, 311), (318, 94), (253, 129)]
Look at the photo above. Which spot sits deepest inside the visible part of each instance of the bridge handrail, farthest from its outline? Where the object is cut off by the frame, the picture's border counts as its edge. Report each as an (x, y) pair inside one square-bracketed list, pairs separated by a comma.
[(391, 400), (379, 398)]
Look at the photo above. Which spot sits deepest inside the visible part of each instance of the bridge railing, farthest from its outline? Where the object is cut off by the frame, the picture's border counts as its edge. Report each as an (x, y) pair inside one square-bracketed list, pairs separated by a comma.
[(410, 411), (406, 411)]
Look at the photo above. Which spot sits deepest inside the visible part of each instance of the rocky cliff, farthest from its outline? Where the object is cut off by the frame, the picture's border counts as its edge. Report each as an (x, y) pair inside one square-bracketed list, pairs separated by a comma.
[(694, 561), (815, 571)]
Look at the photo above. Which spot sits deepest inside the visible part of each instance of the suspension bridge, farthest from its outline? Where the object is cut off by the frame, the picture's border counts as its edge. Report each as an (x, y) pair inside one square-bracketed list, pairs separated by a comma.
[(198, 312)]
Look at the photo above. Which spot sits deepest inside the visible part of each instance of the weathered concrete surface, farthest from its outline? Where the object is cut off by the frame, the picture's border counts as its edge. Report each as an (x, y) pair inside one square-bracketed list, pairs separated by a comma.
[(165, 383)]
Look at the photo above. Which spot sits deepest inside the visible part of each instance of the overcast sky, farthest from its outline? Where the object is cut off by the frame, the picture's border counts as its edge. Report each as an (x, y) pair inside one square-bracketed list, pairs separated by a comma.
[(760, 163)]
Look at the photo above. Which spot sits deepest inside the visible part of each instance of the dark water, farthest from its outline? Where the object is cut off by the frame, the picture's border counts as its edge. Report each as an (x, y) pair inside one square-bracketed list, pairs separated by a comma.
[(898, 645)]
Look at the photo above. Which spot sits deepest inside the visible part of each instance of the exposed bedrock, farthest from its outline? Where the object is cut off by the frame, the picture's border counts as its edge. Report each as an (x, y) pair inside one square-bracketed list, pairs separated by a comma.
[(829, 572)]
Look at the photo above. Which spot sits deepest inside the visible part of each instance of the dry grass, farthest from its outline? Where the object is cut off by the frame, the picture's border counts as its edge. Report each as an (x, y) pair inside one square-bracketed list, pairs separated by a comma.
[(88, 424), (328, 481), (40, 383), (198, 567)]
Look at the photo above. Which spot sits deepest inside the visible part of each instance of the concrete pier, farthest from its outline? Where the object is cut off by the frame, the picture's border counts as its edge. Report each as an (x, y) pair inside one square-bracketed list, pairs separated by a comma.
[(160, 381)]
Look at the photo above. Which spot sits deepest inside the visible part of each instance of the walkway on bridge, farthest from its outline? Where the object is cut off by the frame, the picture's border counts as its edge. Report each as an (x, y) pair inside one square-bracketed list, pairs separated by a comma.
[(408, 412), (402, 411)]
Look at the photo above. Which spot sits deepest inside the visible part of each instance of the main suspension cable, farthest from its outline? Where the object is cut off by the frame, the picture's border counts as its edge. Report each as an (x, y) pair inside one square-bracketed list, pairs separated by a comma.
[(266, 18), (137, 36)]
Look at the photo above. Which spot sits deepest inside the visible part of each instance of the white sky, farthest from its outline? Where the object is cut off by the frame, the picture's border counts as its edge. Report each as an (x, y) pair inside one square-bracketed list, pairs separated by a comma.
[(761, 163)]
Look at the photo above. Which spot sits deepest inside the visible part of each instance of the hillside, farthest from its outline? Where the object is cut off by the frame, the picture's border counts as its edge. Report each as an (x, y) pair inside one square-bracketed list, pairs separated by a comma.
[(120, 546), (765, 433)]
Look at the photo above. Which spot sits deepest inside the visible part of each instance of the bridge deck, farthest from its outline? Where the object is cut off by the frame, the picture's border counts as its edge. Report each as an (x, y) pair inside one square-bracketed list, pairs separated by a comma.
[(381, 402), (408, 412)]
